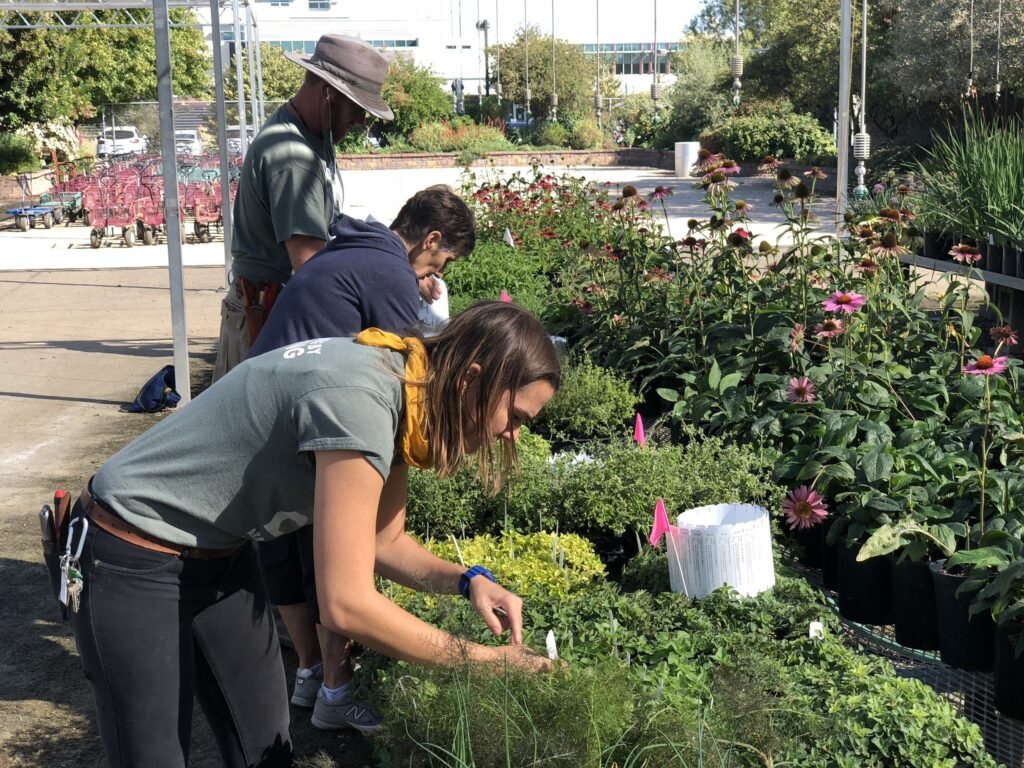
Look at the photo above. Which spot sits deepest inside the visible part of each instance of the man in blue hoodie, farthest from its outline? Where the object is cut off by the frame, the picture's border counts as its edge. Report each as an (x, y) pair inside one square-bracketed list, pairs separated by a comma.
[(365, 277)]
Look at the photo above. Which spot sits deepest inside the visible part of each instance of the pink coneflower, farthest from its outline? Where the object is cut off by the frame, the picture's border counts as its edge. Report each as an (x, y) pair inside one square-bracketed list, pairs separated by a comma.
[(843, 301), (743, 207), (830, 328), (796, 338), (717, 182), (965, 254), (706, 160), (868, 265), (888, 246), (890, 215), (1003, 334), (728, 166), (628, 191), (769, 164), (800, 390), (986, 365), (660, 193), (785, 178), (816, 173), (804, 508)]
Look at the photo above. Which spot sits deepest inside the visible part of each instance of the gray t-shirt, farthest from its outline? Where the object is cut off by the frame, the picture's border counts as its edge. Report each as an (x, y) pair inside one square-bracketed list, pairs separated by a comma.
[(289, 186), (237, 462)]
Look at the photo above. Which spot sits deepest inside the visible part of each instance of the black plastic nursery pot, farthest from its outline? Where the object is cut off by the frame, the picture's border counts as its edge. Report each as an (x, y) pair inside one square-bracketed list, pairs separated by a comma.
[(1009, 677), (865, 589), (811, 543), (913, 605), (830, 565), (965, 642)]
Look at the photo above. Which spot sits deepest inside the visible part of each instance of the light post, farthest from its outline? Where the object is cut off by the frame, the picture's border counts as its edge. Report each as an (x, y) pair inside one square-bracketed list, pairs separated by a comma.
[(656, 86), (526, 49), (554, 90), (597, 58), (862, 139), (736, 67)]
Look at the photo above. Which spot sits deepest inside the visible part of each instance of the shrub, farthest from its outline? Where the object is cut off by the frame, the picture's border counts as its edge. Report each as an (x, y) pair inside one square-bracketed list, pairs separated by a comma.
[(493, 267), (750, 138), (594, 403), (16, 154), (458, 136), (551, 135), (586, 134)]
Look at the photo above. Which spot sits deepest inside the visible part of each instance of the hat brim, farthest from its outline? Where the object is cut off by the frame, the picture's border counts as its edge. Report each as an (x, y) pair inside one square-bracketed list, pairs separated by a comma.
[(368, 100)]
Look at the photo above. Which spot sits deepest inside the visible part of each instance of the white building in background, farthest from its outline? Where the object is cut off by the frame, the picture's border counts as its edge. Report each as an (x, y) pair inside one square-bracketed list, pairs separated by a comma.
[(448, 37)]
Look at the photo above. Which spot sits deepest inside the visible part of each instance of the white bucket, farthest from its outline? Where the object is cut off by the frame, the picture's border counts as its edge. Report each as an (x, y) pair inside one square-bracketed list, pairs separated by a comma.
[(685, 157), (721, 544)]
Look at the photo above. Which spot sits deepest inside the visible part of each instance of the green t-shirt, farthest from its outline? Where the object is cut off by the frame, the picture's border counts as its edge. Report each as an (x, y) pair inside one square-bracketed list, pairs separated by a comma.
[(238, 461), (289, 186)]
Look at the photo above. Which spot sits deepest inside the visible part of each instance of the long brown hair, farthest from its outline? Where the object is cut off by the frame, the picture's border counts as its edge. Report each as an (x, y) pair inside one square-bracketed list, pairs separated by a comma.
[(513, 350)]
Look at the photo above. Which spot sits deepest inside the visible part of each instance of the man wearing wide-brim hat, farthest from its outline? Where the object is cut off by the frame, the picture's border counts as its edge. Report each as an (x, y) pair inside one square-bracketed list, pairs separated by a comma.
[(289, 192), (288, 195)]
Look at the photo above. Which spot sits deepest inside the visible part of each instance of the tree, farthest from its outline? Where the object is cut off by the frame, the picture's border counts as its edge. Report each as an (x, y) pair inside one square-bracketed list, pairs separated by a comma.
[(700, 95), (281, 76), (46, 74), (574, 75)]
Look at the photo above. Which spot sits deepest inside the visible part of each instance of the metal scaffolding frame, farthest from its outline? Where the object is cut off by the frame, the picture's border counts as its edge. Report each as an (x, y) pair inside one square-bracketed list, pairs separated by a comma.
[(77, 14)]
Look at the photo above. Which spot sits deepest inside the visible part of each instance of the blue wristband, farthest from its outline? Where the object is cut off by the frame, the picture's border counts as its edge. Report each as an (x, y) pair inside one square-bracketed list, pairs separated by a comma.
[(476, 570)]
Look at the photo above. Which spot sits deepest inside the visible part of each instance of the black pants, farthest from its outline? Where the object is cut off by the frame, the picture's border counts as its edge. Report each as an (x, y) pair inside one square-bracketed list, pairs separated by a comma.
[(154, 630), (288, 571)]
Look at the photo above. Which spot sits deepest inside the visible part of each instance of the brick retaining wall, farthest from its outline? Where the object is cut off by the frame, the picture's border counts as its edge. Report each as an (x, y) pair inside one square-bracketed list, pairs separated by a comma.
[(567, 157), (10, 190)]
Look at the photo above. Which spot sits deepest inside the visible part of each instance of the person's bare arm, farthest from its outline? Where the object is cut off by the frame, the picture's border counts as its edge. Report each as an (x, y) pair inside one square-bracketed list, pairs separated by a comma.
[(301, 249), (349, 492)]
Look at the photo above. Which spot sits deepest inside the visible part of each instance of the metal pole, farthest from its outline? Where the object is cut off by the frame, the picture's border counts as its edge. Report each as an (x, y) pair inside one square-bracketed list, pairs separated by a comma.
[(843, 134), (222, 136), (243, 136), (554, 84), (597, 72), (655, 90), (252, 67), (162, 39), (259, 72), (526, 46)]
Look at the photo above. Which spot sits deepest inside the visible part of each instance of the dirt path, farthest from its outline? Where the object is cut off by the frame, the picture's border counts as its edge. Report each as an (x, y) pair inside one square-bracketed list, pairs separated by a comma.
[(74, 346)]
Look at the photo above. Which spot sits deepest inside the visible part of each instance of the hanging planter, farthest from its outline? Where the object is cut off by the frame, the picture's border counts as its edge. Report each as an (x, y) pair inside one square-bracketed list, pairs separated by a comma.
[(811, 545), (865, 588), (965, 641)]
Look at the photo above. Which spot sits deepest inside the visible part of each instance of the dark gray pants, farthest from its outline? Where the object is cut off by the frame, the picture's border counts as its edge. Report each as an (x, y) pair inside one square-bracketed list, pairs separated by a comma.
[(154, 630)]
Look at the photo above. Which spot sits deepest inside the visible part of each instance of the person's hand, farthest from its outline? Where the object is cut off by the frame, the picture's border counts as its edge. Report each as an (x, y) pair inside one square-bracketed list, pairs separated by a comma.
[(499, 608), (523, 657), (430, 289)]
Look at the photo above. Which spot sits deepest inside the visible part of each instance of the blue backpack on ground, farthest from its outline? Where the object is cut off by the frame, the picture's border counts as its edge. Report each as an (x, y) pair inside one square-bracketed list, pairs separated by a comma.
[(156, 394)]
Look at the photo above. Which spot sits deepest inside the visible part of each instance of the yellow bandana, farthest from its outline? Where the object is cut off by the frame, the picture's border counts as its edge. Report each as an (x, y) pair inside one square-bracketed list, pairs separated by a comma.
[(415, 448)]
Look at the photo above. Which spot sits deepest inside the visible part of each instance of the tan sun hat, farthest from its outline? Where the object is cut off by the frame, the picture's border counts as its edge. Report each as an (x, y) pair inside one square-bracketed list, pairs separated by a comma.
[(351, 67)]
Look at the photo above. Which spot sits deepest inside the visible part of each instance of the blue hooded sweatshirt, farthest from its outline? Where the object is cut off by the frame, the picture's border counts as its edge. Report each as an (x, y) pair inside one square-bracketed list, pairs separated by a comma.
[(361, 279)]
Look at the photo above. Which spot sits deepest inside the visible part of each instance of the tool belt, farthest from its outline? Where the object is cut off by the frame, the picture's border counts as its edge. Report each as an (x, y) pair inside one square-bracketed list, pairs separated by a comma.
[(258, 299), (122, 529)]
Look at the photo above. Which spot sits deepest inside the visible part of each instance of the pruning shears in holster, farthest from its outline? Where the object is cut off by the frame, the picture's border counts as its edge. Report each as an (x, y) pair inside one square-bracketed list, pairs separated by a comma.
[(258, 299), (54, 522)]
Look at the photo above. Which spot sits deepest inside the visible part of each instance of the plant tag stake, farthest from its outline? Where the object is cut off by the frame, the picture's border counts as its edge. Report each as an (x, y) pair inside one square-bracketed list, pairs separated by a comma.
[(816, 630), (552, 645), (458, 551)]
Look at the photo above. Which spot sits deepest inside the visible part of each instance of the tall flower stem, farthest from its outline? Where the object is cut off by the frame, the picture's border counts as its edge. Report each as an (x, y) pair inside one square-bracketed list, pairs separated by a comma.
[(983, 469)]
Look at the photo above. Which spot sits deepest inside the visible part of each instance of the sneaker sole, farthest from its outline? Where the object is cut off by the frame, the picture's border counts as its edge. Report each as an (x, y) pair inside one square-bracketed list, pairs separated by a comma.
[(323, 725), (303, 703)]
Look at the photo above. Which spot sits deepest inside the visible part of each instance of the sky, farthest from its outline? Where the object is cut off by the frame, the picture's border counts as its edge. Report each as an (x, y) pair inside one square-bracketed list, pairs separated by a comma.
[(574, 20)]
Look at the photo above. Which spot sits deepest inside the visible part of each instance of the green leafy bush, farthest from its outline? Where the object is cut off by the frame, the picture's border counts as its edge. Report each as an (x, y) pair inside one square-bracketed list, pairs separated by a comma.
[(551, 134), (16, 154), (750, 138), (494, 267), (594, 403), (586, 134), (458, 136)]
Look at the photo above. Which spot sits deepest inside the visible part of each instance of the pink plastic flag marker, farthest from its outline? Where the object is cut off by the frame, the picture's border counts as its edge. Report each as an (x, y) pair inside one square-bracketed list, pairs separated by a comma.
[(638, 432), (505, 297), (661, 524)]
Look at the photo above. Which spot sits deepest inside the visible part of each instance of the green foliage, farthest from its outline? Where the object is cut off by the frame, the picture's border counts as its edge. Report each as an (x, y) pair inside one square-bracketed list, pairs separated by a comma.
[(50, 74), (493, 267), (636, 118), (575, 74), (16, 154), (586, 134), (550, 134), (480, 717), (459, 135), (416, 96), (282, 77), (700, 96), (752, 137), (593, 403)]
